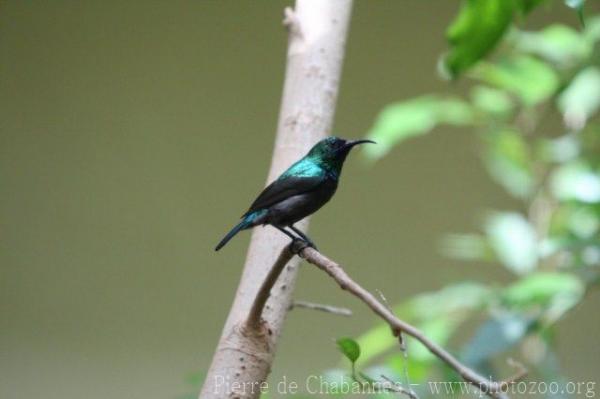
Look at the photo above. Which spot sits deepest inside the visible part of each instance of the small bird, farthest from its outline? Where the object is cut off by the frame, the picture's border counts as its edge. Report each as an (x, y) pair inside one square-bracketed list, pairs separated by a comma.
[(301, 190)]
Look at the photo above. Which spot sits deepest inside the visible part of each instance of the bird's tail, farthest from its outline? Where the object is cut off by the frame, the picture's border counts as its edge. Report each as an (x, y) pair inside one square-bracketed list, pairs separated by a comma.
[(244, 224), (248, 220)]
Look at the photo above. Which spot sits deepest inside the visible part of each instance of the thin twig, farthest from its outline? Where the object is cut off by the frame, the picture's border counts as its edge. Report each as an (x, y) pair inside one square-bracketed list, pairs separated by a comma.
[(321, 307), (395, 387), (387, 305), (254, 316), (383, 299), (491, 388)]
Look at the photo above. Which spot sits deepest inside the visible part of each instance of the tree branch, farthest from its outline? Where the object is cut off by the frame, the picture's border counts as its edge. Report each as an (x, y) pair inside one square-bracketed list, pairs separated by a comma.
[(321, 307), (335, 271), (246, 349), (254, 317)]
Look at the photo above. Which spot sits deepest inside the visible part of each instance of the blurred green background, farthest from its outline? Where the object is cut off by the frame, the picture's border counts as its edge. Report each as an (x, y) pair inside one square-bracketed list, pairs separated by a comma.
[(133, 134)]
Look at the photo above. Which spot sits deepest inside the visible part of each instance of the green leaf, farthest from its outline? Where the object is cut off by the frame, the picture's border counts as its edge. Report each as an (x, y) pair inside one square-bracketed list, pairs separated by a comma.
[(400, 121), (492, 101), (494, 336), (576, 181), (508, 161), (581, 99), (476, 30), (531, 80), (558, 44), (578, 6), (557, 292), (514, 241), (349, 348)]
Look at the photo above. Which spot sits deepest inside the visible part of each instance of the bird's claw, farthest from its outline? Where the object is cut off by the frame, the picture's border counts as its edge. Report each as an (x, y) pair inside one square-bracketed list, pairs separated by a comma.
[(299, 244), (311, 244)]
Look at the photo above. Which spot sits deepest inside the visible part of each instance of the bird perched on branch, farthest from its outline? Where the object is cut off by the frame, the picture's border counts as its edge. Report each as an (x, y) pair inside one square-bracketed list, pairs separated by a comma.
[(300, 191)]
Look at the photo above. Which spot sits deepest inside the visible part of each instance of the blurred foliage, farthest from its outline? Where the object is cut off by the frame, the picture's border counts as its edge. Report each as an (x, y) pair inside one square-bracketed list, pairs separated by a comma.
[(550, 242), (480, 26)]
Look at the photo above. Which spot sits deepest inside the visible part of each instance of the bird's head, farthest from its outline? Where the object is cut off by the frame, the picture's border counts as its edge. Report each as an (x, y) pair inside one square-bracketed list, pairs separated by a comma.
[(333, 150)]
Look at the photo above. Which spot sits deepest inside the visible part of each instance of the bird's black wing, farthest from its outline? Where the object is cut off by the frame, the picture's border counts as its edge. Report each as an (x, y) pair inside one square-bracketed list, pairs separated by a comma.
[(282, 189)]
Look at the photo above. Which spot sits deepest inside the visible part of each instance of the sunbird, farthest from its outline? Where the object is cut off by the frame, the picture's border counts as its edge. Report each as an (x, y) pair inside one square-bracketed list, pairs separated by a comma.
[(300, 191)]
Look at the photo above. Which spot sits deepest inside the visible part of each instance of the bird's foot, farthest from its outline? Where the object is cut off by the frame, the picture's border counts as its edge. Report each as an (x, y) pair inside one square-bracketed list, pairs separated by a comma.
[(298, 244), (311, 244)]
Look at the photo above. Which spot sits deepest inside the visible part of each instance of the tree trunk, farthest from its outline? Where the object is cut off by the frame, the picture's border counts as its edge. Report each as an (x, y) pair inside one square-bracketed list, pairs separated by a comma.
[(317, 34)]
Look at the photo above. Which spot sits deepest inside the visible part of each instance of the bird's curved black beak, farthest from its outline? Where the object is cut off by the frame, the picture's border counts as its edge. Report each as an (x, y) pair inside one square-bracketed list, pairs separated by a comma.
[(351, 143)]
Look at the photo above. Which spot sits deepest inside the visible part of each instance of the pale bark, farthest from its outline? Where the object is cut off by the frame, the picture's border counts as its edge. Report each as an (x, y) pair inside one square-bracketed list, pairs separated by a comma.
[(317, 35)]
